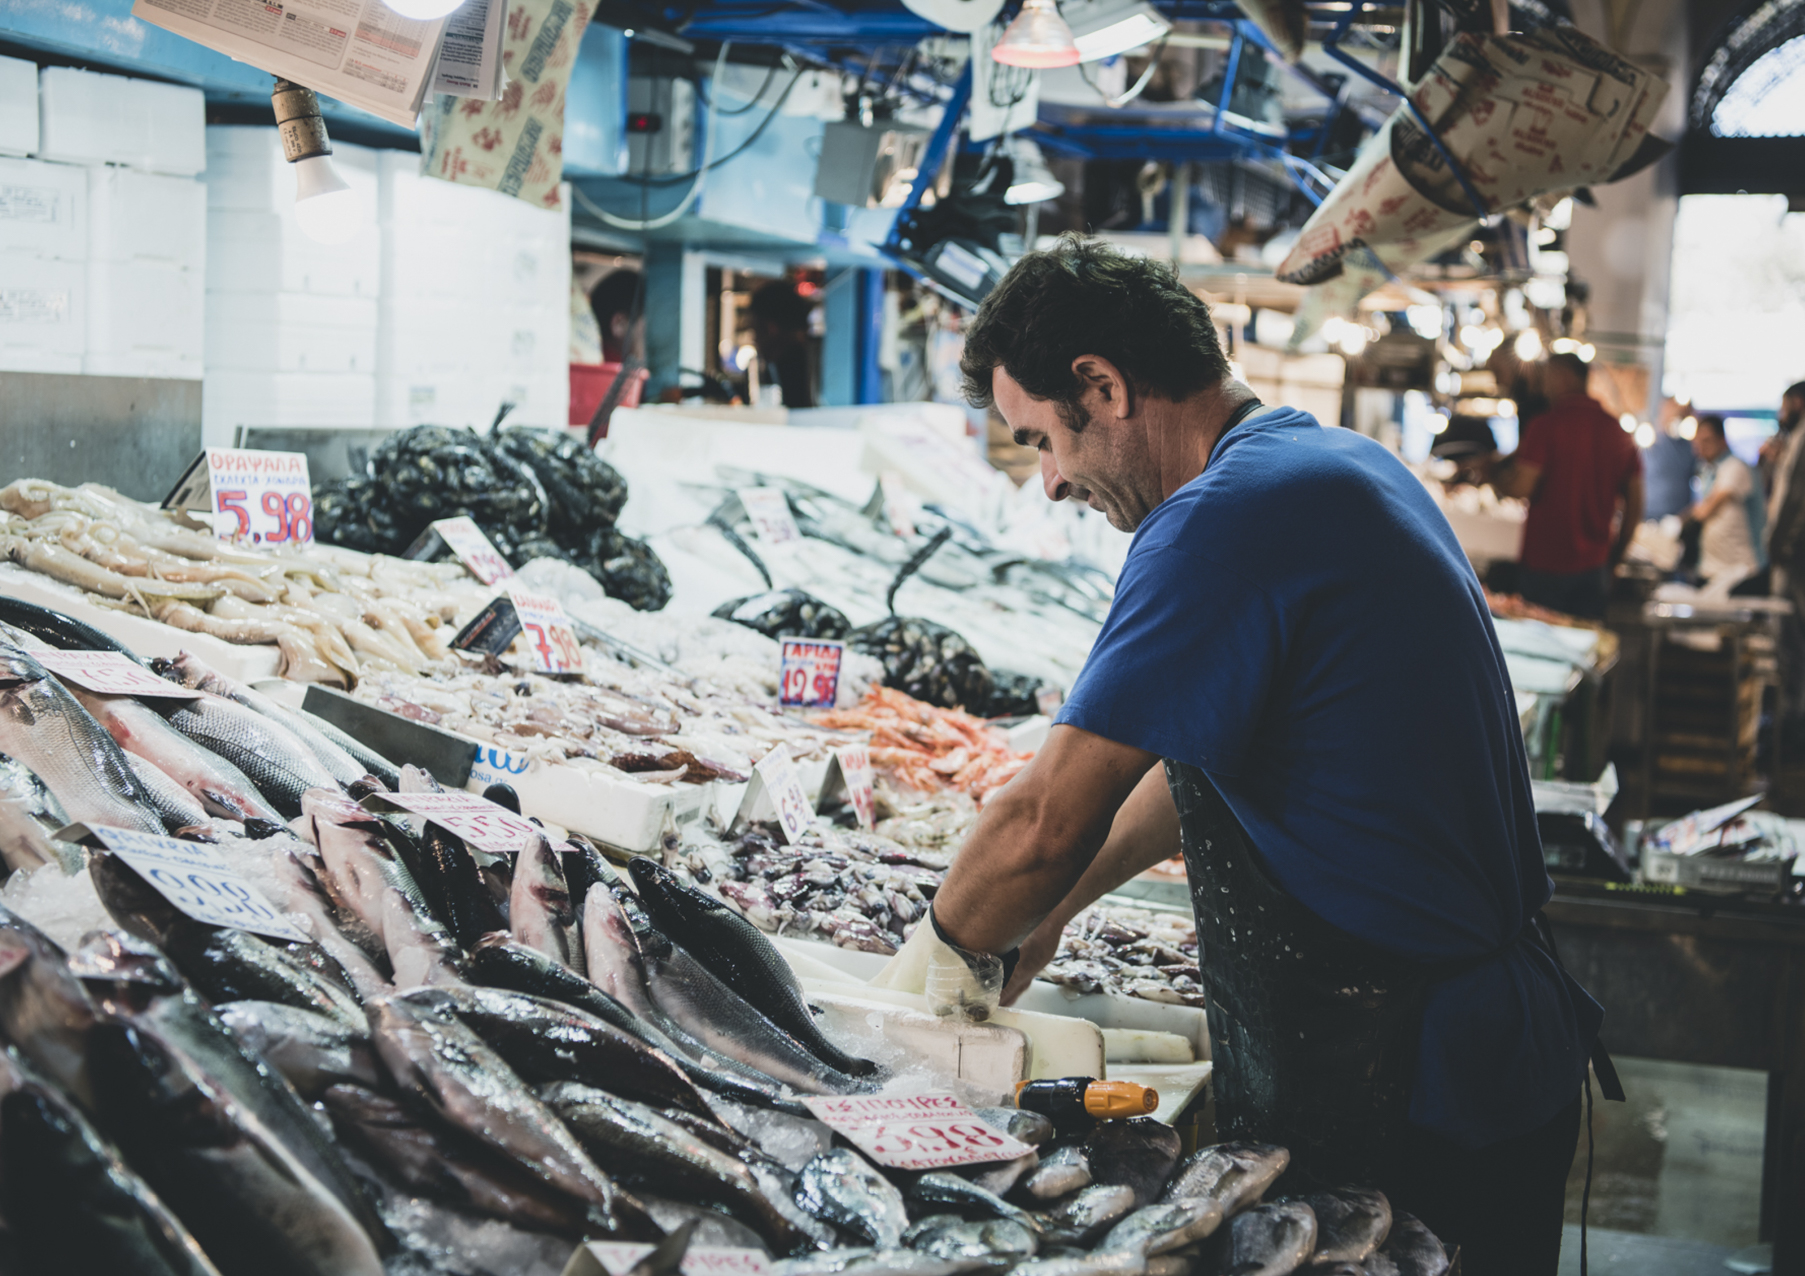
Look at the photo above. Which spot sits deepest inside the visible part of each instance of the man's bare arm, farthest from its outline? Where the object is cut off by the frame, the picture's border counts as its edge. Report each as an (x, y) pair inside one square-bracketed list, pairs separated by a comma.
[(1632, 517), (1145, 833), (1037, 837), (1514, 477)]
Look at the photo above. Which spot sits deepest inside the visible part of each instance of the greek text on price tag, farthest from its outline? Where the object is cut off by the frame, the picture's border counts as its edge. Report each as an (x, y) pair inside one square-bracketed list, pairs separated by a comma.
[(770, 514), (548, 632), (616, 1258), (480, 822), (111, 674), (196, 879), (855, 771), (263, 498), (466, 540), (919, 1132), (809, 676), (794, 811)]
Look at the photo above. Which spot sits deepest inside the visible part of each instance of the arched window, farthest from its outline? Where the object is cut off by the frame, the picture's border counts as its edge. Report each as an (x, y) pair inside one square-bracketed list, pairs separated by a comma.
[(1753, 82)]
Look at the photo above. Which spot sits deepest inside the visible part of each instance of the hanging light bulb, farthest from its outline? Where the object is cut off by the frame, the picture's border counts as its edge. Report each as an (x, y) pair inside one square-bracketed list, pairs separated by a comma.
[(424, 10), (327, 210), (1038, 38), (1033, 181)]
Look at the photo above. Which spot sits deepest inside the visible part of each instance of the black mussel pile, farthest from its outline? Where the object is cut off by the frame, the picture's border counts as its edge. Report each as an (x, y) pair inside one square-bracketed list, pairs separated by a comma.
[(534, 493), (928, 661), (786, 613)]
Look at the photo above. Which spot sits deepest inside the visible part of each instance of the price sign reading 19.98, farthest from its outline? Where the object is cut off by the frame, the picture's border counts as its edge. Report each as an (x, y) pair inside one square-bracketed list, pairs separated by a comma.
[(810, 674), (261, 498), (547, 632)]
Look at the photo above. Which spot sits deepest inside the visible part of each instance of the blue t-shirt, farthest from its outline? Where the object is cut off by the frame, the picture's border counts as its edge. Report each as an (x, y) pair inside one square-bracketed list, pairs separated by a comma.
[(1300, 623)]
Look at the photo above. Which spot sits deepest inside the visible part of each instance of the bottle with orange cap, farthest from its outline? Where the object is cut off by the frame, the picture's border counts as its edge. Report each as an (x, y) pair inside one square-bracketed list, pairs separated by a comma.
[(1076, 1104)]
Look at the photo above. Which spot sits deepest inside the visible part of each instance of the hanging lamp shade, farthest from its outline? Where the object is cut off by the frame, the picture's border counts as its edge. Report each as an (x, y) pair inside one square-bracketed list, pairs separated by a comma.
[(1038, 38)]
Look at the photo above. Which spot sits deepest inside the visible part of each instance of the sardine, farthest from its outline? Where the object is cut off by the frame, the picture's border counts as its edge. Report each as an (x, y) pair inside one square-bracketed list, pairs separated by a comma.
[(539, 910), (312, 1051), (44, 1011), (1412, 1248), (446, 1065), (448, 1169), (633, 1141), (139, 729), (178, 808), (1061, 1172), (1138, 1153), (884, 1262), (842, 1188), (1350, 1223), (1159, 1229), (738, 954), (278, 763), (1080, 1219), (1234, 1175), (949, 1236), (945, 1190), (29, 814), (1269, 1240), (47, 730)]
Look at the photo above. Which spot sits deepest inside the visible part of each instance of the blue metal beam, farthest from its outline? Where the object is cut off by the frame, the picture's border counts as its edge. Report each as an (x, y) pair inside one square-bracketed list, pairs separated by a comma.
[(939, 146)]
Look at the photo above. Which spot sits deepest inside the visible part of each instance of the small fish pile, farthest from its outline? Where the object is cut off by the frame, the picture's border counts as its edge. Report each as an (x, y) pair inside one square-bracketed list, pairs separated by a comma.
[(1131, 952), (927, 747)]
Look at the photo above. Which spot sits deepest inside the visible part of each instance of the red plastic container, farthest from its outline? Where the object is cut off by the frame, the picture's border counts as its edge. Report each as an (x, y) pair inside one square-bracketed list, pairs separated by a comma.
[(589, 382)]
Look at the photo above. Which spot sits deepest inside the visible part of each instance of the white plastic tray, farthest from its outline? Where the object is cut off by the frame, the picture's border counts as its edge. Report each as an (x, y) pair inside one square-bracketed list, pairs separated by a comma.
[(625, 814)]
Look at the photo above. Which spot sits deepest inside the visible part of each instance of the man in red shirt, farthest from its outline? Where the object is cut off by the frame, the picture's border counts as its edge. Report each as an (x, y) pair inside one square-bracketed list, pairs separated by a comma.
[(1577, 466)]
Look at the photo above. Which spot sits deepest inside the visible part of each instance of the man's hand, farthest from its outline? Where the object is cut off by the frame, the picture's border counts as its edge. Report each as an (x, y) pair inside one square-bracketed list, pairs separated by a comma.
[(1037, 950)]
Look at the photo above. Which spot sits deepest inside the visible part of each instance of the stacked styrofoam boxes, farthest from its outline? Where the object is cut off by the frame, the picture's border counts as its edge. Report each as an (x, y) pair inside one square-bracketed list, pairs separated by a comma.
[(141, 215), (475, 303), (291, 324)]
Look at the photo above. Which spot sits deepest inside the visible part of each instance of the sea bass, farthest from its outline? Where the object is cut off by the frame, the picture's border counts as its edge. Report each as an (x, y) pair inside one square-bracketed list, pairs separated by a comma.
[(277, 762), (1269, 1240), (1350, 1223), (313, 1052), (1234, 1175), (214, 782), (842, 1188), (539, 908), (180, 810)]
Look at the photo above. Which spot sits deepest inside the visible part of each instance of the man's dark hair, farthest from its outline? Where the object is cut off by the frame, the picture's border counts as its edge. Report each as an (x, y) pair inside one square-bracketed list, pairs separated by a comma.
[(1712, 422), (1573, 365), (1083, 297), (779, 303), (1795, 391), (614, 295)]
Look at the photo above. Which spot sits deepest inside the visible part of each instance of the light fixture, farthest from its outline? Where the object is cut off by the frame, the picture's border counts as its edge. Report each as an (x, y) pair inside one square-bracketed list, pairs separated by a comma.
[(1425, 320), (1033, 182), (1529, 345), (1645, 435), (327, 210), (1628, 421), (1104, 28), (1689, 428), (1038, 38), (1507, 407), (424, 10)]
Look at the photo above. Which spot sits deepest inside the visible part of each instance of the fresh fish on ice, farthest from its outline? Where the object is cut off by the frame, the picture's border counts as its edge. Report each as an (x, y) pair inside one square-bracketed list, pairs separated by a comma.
[(277, 762), (312, 1051), (1234, 1175), (539, 909), (1350, 1223), (1269, 1240), (842, 1188)]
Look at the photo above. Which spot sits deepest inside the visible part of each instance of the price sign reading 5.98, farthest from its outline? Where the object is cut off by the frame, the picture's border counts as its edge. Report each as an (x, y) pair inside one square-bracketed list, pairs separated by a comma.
[(810, 674), (547, 632), (261, 498)]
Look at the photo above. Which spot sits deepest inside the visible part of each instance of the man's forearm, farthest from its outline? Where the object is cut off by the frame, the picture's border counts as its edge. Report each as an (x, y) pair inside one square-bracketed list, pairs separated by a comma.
[(1145, 833)]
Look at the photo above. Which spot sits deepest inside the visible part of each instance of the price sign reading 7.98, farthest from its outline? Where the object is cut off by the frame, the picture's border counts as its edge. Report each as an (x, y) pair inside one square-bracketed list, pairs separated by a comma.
[(810, 674), (549, 636)]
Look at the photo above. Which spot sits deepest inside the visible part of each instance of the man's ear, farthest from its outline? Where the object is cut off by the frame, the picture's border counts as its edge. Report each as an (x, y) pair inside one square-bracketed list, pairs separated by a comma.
[(1099, 375)]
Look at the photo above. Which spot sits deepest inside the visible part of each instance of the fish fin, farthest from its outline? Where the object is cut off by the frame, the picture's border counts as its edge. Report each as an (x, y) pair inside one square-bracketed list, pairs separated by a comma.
[(668, 1255)]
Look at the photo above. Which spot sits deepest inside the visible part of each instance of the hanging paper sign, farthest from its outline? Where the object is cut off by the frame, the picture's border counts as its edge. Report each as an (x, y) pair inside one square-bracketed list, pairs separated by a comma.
[(259, 498), (917, 1132), (109, 673), (549, 636), (770, 513), (197, 879), (617, 1258), (809, 676), (465, 539), (485, 825), (850, 770)]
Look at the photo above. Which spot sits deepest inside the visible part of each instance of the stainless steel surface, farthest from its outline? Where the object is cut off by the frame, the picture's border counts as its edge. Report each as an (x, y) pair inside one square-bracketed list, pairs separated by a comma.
[(136, 434), (331, 453), (448, 757)]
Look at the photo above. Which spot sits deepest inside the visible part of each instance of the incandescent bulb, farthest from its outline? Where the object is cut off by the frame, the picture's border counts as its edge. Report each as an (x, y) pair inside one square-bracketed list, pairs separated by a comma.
[(1038, 38), (424, 10), (328, 211)]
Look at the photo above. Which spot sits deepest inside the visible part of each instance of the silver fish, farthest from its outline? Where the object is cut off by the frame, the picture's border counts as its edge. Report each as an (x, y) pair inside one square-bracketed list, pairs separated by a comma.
[(1084, 1217), (882, 1262), (44, 1011), (313, 1051), (1004, 1175), (1269, 1240), (138, 729), (540, 914), (447, 1065), (1234, 1175), (949, 1236), (303, 894), (277, 762), (1350, 1223), (178, 807), (1412, 1248), (1019, 1123), (1159, 1229), (29, 814), (1061, 1172), (1178, 1265), (939, 1188), (842, 1188), (46, 729)]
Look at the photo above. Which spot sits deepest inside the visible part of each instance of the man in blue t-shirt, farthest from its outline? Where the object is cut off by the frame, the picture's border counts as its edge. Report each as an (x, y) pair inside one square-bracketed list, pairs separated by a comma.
[(1297, 636)]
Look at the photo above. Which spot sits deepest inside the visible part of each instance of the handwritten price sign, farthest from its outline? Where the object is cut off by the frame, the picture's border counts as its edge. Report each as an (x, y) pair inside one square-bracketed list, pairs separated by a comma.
[(920, 1132), (778, 774), (480, 822), (110, 674), (479, 557), (196, 879), (264, 498), (809, 676), (616, 1258), (770, 514), (548, 631), (855, 772)]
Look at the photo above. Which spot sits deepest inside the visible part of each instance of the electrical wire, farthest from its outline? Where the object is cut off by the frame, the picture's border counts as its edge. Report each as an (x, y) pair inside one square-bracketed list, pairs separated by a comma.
[(1114, 103), (757, 133), (695, 189), (770, 74)]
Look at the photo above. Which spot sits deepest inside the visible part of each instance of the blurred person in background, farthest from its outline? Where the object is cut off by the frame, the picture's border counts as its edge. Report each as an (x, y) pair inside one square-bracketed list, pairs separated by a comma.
[(1577, 468), (1669, 464), (1726, 542), (1786, 544), (620, 314), (780, 335)]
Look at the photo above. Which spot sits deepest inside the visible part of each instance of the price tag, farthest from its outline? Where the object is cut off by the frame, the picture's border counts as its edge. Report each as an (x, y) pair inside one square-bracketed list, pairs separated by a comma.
[(919, 1132), (770, 514), (196, 879), (466, 540), (851, 770), (778, 774), (111, 674), (260, 498), (616, 1258), (480, 822), (900, 504), (809, 676), (549, 635)]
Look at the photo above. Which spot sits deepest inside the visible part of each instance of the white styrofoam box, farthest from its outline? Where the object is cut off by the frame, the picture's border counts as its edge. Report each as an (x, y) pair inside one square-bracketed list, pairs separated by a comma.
[(43, 314), (44, 209), (436, 337), (137, 216), (290, 332), (18, 106), (89, 118), (144, 314), (452, 399), (230, 399), (267, 253), (246, 170)]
